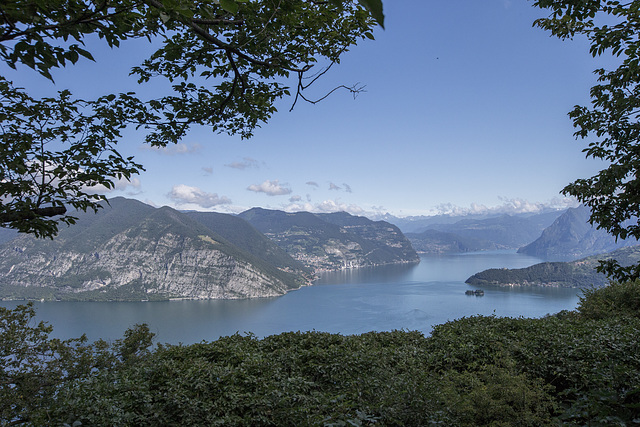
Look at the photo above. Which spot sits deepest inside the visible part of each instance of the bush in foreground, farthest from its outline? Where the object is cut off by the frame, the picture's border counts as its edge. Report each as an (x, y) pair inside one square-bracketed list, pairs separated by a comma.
[(617, 299), (571, 369)]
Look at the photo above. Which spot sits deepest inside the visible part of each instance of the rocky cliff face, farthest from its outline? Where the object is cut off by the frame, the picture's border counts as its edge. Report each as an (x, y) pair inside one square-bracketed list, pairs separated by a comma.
[(172, 267), (163, 256)]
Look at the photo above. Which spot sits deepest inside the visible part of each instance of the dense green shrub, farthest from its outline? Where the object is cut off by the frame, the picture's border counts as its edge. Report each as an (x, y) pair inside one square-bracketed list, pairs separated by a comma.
[(576, 368), (617, 299), (592, 365)]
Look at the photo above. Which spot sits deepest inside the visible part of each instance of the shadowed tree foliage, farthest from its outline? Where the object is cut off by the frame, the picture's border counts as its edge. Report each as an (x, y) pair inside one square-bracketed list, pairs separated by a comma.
[(611, 121), (227, 63)]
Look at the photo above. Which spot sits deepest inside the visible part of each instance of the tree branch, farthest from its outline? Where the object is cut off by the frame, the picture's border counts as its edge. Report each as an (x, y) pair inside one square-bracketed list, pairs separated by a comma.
[(32, 214)]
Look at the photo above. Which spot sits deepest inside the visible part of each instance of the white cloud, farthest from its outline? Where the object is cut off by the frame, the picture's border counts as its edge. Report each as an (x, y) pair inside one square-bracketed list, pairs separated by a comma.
[(122, 184), (184, 194), (295, 199), (270, 188), (333, 206), (312, 183), (332, 186), (326, 206), (509, 206), (175, 149), (246, 163), (207, 170), (347, 187)]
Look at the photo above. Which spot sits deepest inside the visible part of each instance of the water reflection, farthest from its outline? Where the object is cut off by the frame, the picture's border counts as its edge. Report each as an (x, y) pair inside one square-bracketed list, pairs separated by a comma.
[(382, 274)]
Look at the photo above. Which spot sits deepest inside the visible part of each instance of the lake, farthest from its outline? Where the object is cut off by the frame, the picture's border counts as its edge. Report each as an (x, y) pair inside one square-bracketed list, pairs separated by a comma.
[(410, 297)]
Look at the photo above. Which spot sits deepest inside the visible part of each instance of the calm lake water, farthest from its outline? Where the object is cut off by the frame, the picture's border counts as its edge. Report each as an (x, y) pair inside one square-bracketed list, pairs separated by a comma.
[(352, 302)]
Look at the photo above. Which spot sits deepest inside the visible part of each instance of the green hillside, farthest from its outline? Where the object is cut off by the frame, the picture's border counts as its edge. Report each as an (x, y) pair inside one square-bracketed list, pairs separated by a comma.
[(576, 274), (244, 236), (333, 241)]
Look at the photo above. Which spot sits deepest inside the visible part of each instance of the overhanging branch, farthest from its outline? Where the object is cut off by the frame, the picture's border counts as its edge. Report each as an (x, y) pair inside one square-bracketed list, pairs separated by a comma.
[(32, 214)]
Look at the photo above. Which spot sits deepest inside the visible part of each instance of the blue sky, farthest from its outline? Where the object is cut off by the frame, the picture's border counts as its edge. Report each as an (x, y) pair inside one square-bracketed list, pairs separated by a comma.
[(465, 109)]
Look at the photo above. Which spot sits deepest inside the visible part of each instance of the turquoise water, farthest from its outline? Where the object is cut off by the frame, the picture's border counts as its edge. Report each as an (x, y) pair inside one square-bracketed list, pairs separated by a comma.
[(352, 302)]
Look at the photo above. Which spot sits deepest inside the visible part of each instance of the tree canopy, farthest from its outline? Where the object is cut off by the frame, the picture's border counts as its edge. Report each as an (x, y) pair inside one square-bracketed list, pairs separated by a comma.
[(227, 62), (610, 123)]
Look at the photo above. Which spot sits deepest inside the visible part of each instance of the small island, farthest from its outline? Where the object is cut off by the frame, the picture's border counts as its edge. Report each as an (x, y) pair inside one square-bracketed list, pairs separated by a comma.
[(574, 274)]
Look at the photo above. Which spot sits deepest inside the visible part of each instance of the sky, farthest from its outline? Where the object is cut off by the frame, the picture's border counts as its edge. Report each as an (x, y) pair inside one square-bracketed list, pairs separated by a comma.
[(465, 110)]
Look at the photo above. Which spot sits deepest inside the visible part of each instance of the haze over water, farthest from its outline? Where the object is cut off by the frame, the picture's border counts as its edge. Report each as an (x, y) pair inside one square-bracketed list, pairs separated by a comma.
[(410, 297)]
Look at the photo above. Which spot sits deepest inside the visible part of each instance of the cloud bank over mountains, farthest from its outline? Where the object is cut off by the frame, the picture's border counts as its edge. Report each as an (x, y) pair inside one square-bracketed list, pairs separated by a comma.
[(509, 206), (326, 206), (184, 194)]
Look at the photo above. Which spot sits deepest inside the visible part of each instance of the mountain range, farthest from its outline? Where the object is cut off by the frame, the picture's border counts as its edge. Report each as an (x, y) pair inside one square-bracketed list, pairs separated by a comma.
[(469, 234), (333, 241), (132, 251)]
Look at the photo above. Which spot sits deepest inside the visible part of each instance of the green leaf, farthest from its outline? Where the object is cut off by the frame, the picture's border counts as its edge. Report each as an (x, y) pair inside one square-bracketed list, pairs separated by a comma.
[(375, 8), (230, 6)]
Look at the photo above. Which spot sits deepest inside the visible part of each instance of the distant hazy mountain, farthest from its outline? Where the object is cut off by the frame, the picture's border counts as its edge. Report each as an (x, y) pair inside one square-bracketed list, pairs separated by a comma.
[(502, 232), (130, 251), (579, 273), (419, 224), (571, 237), (333, 241), (441, 242)]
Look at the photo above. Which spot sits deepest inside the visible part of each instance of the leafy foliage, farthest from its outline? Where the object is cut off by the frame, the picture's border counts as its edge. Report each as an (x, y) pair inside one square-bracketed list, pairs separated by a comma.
[(620, 299), (227, 63), (613, 194), (33, 366), (53, 150), (573, 368)]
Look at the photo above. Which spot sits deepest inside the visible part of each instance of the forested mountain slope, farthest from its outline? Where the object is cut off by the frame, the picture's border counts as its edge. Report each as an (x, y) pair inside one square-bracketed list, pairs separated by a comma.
[(333, 241)]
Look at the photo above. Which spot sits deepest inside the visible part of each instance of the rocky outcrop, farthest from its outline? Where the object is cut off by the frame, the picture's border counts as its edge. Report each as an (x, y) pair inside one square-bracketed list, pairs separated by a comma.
[(172, 267), (163, 256)]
